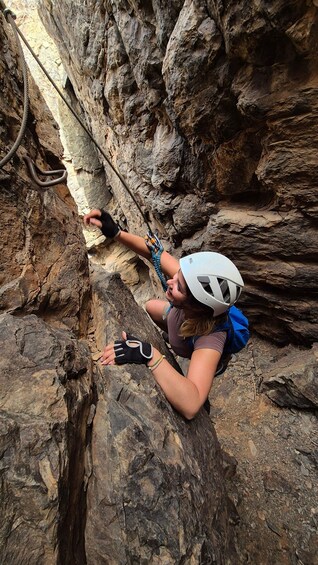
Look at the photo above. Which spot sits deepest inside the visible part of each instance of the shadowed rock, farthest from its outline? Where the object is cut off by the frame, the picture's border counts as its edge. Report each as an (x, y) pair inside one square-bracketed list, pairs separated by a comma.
[(43, 257), (292, 381), (45, 398)]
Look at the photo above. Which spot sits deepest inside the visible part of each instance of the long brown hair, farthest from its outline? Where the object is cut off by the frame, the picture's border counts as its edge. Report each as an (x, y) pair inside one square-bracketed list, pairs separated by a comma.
[(198, 318)]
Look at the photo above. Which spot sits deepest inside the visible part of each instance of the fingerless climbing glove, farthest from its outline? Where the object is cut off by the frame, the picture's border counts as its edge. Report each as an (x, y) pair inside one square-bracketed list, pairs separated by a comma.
[(109, 227), (132, 350)]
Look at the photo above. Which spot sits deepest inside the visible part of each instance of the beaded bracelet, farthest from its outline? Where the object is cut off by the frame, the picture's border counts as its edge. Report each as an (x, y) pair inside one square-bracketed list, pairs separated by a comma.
[(157, 363)]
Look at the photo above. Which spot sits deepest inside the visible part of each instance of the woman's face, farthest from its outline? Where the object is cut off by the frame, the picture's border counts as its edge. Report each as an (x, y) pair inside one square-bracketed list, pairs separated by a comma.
[(177, 289)]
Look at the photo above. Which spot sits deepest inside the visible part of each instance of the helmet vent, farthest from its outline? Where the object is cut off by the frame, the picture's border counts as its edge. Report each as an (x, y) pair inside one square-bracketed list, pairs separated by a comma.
[(238, 292), (205, 282), (224, 286)]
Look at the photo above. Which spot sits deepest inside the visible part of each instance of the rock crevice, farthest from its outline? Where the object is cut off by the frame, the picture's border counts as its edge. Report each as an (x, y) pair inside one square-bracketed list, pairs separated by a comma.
[(210, 116), (209, 109)]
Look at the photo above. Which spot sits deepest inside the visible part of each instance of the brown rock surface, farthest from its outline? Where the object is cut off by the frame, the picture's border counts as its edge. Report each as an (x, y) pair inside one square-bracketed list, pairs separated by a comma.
[(65, 472), (44, 268), (45, 384), (275, 487), (45, 372), (156, 492), (292, 380), (210, 113)]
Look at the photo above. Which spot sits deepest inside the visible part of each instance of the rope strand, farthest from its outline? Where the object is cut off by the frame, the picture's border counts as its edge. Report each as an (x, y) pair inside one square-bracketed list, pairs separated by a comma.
[(83, 125), (10, 19)]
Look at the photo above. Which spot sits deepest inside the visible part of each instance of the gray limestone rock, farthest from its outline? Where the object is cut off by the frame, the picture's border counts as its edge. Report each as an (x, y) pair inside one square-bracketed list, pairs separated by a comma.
[(45, 398), (156, 491)]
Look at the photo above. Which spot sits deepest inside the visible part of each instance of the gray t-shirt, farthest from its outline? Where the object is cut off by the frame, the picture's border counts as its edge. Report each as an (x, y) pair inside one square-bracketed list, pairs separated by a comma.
[(183, 346)]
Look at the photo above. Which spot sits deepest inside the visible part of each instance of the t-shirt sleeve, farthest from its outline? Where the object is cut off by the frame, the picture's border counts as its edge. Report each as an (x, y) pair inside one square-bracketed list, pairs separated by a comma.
[(214, 341)]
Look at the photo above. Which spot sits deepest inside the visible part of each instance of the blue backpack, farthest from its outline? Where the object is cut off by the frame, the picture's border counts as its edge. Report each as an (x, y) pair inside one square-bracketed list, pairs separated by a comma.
[(238, 335), (236, 324), (237, 330)]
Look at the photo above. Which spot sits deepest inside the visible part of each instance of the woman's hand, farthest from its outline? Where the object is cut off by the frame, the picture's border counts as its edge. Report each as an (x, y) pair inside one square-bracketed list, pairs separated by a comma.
[(104, 221), (128, 350), (186, 394), (108, 355), (93, 218)]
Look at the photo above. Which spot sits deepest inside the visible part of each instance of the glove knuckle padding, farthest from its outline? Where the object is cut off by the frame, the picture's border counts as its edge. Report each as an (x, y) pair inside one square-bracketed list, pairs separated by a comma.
[(132, 350), (109, 227)]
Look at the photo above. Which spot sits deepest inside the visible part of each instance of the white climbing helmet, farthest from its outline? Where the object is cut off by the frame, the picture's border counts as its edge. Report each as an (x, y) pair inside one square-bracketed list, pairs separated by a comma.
[(212, 279)]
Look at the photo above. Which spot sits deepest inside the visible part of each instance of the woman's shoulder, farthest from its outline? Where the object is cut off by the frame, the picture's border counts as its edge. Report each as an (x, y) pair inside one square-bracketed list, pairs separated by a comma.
[(176, 314)]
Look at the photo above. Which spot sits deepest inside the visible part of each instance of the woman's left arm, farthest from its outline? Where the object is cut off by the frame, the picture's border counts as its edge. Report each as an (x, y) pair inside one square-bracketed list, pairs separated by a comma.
[(187, 395)]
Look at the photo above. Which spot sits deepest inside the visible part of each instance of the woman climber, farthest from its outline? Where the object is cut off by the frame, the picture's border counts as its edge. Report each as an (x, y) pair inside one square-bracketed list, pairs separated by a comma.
[(201, 289)]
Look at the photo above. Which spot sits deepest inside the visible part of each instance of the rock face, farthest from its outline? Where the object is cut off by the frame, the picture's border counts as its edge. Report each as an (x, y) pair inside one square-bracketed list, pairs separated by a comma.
[(96, 467), (292, 380), (45, 371), (275, 487), (139, 484), (46, 393), (210, 113), (147, 478), (86, 179), (43, 259)]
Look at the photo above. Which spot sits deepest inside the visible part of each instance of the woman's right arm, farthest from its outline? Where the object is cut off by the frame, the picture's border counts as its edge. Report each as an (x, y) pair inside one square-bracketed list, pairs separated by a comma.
[(136, 243), (168, 263)]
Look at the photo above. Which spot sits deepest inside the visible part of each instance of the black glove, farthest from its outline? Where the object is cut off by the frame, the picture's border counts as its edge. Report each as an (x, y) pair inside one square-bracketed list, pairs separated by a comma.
[(109, 227), (132, 350)]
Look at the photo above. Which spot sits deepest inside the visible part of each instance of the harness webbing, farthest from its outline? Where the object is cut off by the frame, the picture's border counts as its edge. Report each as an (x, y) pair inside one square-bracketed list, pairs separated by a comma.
[(156, 248)]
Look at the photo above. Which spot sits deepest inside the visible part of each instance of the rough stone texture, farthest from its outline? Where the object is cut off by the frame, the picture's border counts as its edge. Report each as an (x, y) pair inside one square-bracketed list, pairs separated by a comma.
[(228, 161), (45, 372), (156, 493), (45, 398), (210, 113), (44, 268), (86, 177), (275, 486), (137, 456), (292, 380)]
